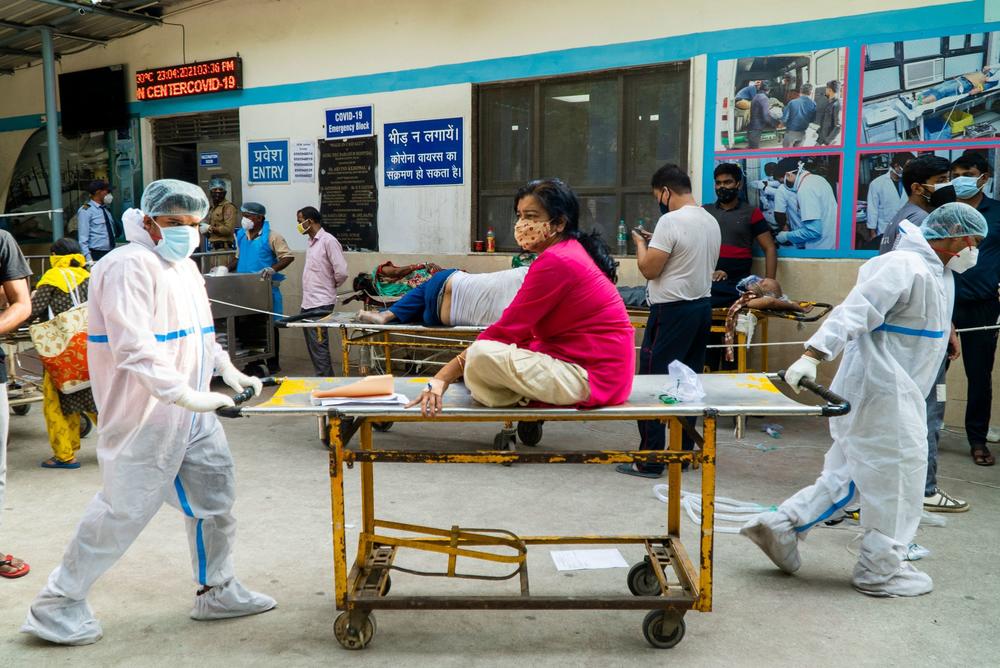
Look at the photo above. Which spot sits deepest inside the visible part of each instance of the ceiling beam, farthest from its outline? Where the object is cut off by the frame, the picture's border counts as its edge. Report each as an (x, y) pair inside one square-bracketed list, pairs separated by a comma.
[(7, 51), (104, 11), (56, 33)]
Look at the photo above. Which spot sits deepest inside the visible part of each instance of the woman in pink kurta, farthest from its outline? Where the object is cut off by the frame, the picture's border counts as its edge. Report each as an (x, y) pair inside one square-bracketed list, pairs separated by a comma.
[(566, 339)]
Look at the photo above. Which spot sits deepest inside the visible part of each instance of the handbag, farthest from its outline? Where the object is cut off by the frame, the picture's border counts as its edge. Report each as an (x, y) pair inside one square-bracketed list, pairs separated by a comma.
[(61, 343)]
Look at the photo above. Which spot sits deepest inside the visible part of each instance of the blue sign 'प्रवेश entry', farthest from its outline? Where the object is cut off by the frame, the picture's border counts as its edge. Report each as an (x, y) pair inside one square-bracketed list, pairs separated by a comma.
[(423, 153), (349, 122), (267, 161), (208, 159)]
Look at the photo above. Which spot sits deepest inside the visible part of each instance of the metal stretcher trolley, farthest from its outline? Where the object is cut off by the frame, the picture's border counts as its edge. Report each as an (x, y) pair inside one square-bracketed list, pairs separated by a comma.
[(667, 583), (389, 339), (23, 387)]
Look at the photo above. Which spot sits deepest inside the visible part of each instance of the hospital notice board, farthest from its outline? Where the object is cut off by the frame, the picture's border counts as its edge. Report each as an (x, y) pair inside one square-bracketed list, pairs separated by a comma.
[(347, 192)]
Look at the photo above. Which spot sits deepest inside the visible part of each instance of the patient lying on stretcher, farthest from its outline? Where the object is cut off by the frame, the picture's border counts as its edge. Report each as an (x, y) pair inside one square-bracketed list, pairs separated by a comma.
[(761, 294), (977, 81), (453, 297)]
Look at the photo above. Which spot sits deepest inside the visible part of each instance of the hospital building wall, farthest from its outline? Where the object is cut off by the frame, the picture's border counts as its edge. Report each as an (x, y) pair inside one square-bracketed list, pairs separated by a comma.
[(419, 59)]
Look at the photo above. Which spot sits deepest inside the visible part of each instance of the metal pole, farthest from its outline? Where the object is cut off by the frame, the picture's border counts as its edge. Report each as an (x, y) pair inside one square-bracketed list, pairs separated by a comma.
[(52, 132)]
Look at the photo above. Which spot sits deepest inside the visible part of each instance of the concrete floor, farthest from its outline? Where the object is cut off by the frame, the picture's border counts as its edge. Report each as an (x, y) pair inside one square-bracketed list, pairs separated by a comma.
[(761, 617)]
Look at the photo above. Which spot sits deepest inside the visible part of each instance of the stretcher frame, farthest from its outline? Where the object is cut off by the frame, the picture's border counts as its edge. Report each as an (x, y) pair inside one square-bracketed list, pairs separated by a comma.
[(667, 582), (23, 389), (763, 316), (394, 337)]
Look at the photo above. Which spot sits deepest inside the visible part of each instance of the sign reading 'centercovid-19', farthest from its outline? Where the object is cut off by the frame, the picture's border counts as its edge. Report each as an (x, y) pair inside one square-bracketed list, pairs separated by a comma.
[(423, 153), (267, 161)]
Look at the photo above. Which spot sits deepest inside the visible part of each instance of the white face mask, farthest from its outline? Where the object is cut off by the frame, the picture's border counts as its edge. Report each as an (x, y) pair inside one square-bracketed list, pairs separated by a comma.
[(109, 198), (177, 243), (247, 224), (203, 228), (964, 260)]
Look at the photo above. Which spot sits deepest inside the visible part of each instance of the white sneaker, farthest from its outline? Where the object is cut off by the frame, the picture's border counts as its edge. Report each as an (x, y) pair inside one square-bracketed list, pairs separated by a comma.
[(993, 435), (907, 581), (943, 502), (62, 620), (230, 600), (772, 532)]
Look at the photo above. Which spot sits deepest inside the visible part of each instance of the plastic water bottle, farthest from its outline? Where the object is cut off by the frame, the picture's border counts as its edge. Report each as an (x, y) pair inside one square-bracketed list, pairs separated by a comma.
[(491, 241), (622, 238)]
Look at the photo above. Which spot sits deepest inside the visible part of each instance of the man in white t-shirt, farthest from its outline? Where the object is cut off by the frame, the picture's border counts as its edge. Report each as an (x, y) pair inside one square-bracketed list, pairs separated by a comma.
[(677, 259)]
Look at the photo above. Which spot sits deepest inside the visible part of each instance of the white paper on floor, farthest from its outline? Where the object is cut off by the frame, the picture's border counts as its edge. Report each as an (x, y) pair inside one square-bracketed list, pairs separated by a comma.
[(576, 560)]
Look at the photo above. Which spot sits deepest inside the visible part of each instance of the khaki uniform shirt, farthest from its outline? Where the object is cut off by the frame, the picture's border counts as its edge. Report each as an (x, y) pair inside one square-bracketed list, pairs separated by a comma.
[(222, 222)]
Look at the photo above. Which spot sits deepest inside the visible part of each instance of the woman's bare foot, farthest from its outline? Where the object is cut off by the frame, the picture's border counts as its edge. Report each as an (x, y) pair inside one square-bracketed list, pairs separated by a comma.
[(376, 317)]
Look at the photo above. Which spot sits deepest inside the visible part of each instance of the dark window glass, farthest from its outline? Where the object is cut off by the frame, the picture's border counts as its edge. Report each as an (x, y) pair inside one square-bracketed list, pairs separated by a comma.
[(505, 135), (655, 107), (600, 211), (580, 132)]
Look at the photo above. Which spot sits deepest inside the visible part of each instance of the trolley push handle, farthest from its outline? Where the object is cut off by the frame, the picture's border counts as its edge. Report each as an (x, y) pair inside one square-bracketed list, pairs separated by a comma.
[(243, 397), (311, 313), (836, 405)]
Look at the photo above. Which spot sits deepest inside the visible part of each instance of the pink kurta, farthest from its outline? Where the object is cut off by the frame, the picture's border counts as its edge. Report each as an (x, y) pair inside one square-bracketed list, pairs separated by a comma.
[(568, 309)]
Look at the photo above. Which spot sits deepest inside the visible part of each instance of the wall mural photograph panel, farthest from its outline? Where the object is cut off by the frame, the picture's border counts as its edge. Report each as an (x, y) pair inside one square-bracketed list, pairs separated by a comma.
[(781, 101), (882, 191), (798, 195), (934, 89)]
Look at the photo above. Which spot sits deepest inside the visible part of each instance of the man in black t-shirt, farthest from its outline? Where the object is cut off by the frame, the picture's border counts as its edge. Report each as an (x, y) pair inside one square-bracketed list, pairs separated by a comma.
[(13, 270), (741, 225)]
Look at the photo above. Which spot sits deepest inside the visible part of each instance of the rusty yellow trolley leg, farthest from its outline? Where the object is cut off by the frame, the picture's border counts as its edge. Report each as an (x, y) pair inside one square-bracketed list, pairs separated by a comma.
[(667, 583)]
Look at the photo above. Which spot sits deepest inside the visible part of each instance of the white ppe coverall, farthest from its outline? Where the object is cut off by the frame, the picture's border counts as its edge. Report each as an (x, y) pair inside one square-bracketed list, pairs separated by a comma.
[(150, 338), (893, 330)]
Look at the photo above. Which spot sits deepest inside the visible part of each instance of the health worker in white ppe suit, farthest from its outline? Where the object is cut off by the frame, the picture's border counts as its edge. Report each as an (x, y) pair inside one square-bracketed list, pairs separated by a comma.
[(893, 330), (152, 353)]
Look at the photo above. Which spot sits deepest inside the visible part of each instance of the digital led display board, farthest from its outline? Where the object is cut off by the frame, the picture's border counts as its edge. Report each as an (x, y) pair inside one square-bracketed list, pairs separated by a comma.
[(213, 76)]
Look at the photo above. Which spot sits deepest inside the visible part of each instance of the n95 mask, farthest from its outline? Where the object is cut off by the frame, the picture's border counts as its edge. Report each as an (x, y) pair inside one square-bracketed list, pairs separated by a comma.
[(964, 260)]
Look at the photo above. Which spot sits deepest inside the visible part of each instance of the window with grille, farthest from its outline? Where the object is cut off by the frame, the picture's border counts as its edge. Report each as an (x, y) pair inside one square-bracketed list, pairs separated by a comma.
[(603, 133)]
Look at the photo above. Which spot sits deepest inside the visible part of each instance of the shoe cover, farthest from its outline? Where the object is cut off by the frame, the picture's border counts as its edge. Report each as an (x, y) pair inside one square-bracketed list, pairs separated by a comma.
[(772, 532), (906, 581), (230, 600), (882, 569), (62, 620)]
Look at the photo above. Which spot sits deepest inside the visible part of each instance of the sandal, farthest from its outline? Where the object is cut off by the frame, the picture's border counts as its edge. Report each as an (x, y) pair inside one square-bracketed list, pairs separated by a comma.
[(633, 469), (20, 571), (982, 456), (53, 463)]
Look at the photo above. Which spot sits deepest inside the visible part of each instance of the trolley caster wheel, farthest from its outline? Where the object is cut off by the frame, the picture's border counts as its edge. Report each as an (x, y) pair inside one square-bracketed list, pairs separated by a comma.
[(530, 433), (258, 370), (86, 425), (504, 442), (20, 409), (661, 633), (351, 636), (642, 580), (382, 426)]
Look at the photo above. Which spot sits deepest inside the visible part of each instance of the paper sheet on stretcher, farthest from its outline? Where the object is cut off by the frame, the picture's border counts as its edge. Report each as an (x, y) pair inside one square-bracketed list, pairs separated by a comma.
[(371, 386)]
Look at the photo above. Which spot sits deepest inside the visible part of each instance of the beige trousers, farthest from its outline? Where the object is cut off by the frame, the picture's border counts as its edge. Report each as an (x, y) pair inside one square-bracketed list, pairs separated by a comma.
[(500, 374)]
